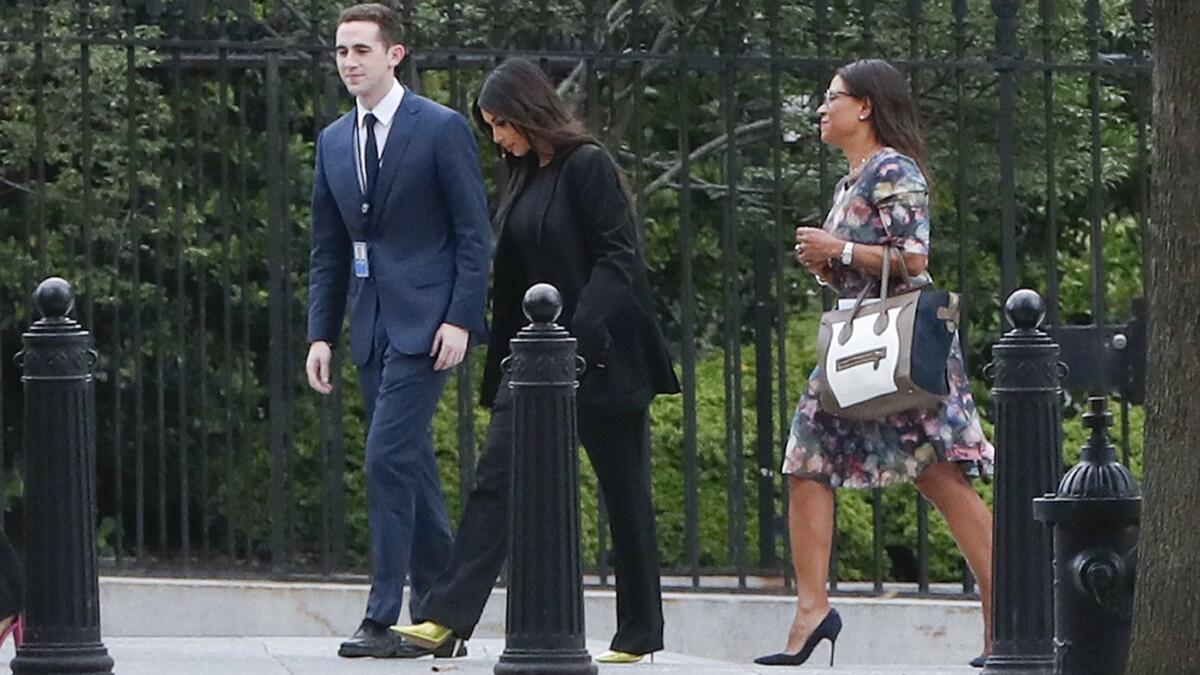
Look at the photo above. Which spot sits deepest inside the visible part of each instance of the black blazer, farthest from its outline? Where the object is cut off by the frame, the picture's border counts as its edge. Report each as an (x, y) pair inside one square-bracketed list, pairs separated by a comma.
[(588, 245)]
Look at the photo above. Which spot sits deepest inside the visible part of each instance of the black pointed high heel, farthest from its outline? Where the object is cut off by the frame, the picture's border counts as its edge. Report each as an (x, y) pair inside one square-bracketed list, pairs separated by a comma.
[(828, 629)]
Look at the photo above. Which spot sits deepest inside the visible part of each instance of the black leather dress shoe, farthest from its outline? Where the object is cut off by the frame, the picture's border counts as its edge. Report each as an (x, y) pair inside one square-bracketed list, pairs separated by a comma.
[(371, 639), (375, 640)]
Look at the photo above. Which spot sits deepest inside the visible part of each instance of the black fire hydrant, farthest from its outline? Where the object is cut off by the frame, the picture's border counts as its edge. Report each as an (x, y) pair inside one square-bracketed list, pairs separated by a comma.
[(1095, 517)]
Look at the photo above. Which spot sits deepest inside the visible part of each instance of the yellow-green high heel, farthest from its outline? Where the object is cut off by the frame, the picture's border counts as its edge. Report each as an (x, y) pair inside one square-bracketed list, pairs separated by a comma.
[(615, 657), (428, 634)]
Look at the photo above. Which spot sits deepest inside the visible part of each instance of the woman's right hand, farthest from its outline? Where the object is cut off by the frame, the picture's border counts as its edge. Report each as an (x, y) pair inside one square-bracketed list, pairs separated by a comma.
[(820, 267), (822, 271)]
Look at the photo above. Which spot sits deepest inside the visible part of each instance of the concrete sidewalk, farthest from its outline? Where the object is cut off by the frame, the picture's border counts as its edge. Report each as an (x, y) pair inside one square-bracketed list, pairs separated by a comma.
[(317, 656), (726, 627)]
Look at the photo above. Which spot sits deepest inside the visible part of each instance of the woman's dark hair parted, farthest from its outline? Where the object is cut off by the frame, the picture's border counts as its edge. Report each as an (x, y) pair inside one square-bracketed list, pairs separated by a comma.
[(894, 114), (520, 94)]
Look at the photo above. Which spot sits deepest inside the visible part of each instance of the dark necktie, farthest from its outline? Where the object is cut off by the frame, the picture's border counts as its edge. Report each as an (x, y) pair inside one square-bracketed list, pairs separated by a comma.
[(371, 154)]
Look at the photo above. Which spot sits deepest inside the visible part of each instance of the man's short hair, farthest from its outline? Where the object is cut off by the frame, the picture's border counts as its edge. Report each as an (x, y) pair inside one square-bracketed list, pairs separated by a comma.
[(391, 30)]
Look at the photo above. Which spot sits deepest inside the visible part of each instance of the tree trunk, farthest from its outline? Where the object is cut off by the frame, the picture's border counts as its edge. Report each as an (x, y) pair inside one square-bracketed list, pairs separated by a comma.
[(1166, 620)]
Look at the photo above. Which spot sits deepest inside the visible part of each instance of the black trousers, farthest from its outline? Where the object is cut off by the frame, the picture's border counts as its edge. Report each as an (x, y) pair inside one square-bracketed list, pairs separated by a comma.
[(12, 580), (618, 446)]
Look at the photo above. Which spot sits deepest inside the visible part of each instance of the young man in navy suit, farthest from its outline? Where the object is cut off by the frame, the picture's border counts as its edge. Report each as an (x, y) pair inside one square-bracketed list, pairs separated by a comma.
[(401, 240)]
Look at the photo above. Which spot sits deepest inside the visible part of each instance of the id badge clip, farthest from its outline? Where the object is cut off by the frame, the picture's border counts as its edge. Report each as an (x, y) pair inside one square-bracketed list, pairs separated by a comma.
[(362, 268)]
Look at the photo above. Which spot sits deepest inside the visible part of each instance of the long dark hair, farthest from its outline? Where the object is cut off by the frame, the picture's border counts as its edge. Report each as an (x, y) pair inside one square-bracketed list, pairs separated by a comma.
[(519, 93), (894, 115)]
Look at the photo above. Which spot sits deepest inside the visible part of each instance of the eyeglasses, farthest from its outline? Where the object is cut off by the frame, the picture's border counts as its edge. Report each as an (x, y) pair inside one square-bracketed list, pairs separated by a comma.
[(832, 95)]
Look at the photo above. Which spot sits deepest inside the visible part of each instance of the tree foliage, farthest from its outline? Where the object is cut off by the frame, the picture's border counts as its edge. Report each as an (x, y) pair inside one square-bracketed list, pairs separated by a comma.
[(151, 189)]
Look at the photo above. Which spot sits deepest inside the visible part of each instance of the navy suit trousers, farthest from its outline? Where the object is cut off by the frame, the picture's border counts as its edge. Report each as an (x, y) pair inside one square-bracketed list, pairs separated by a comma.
[(406, 510)]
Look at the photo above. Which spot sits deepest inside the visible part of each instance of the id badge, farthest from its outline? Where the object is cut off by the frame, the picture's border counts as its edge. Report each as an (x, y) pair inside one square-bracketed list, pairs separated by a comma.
[(362, 268)]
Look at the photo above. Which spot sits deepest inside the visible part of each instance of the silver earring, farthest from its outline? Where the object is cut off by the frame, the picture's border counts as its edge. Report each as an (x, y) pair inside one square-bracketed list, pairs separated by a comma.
[(862, 118)]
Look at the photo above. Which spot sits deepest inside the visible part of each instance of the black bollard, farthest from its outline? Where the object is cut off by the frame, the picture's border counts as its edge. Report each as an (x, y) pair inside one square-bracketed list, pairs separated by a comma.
[(62, 598), (1025, 373), (1095, 516), (544, 628)]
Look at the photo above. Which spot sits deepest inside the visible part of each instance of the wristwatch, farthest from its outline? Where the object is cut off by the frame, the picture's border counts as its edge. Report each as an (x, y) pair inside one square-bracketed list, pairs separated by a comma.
[(848, 253)]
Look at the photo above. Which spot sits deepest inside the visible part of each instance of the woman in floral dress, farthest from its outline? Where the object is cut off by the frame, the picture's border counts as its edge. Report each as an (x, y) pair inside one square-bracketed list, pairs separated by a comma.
[(881, 205)]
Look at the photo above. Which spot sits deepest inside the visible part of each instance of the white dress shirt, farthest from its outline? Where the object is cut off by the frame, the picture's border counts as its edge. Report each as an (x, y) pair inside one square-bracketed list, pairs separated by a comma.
[(384, 112)]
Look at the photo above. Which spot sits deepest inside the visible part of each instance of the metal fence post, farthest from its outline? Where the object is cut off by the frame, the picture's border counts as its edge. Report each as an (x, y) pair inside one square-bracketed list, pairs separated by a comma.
[(62, 595), (544, 627), (1095, 516), (1025, 372)]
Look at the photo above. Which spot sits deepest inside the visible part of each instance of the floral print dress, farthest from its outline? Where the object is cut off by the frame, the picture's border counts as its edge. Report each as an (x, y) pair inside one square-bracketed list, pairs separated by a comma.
[(887, 199)]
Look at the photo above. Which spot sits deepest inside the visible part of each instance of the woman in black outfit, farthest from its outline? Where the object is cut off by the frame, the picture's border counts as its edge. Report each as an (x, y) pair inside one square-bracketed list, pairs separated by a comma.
[(564, 219), (12, 592)]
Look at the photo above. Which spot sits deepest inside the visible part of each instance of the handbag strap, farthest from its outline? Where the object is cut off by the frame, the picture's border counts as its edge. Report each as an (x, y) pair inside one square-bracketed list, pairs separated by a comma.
[(881, 321), (888, 247)]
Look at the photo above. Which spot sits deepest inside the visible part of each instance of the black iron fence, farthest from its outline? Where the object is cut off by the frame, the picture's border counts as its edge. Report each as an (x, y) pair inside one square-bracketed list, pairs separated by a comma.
[(159, 155)]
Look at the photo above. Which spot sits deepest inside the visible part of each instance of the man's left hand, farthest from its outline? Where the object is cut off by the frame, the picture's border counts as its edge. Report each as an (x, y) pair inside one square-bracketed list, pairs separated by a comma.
[(449, 346)]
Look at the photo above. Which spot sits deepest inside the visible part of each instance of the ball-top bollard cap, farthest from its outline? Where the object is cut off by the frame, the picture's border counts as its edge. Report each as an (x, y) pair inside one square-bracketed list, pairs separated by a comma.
[(54, 298), (1025, 309), (542, 304)]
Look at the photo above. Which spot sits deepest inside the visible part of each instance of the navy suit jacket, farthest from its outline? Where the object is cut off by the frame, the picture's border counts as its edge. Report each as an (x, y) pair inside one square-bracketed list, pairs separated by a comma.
[(428, 234)]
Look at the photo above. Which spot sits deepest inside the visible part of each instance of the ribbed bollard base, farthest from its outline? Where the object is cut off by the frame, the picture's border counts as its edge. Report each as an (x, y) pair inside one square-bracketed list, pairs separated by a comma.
[(539, 662), (61, 659), (1025, 665)]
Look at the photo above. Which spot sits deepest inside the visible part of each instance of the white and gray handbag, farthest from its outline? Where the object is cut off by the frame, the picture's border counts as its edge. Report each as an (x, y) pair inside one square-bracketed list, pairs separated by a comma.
[(880, 358)]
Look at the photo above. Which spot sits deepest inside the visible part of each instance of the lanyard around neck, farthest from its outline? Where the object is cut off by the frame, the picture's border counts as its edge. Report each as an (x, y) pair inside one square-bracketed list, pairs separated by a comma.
[(360, 156)]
